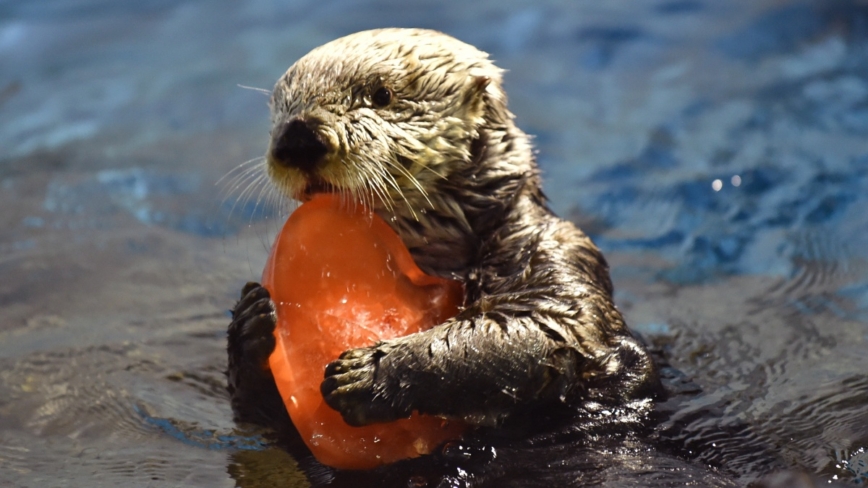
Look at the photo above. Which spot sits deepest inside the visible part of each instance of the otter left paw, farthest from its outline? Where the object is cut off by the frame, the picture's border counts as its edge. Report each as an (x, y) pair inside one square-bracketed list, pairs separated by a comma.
[(357, 387)]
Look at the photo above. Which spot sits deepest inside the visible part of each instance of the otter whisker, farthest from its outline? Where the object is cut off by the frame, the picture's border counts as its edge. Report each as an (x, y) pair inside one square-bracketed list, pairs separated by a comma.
[(357, 184), (253, 180), (389, 180), (413, 181), (378, 186), (262, 183), (404, 171), (362, 184), (437, 174), (272, 199), (241, 168), (247, 182), (367, 188), (375, 181), (260, 90), (286, 205), (283, 202), (242, 178), (347, 196), (349, 193), (269, 197)]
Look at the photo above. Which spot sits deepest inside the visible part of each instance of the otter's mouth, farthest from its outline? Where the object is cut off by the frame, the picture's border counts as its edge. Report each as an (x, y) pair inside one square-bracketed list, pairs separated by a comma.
[(314, 186)]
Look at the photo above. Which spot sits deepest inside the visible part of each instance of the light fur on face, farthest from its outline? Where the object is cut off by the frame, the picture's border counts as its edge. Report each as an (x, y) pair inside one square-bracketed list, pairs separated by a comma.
[(392, 155)]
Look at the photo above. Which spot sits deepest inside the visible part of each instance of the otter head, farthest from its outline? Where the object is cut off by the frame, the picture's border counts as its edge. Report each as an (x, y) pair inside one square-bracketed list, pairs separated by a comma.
[(380, 115)]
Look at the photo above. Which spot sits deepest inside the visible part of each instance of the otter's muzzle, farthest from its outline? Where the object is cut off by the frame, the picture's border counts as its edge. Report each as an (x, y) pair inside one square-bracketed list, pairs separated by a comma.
[(296, 144)]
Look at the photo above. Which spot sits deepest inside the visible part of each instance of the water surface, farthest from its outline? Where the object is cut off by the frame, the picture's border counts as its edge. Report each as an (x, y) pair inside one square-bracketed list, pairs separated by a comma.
[(716, 151)]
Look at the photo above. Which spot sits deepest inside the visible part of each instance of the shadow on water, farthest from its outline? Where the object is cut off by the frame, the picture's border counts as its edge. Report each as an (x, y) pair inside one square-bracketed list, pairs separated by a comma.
[(715, 151)]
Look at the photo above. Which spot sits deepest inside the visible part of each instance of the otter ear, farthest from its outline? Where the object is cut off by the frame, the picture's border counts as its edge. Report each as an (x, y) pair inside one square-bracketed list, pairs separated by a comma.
[(474, 98), (485, 85), (481, 82)]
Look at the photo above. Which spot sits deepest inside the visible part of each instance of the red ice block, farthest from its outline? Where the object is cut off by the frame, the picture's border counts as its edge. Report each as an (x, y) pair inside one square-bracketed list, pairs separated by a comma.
[(341, 279)]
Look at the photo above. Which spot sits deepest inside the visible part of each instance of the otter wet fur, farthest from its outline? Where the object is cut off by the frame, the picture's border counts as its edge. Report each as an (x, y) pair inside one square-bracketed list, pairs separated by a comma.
[(414, 124)]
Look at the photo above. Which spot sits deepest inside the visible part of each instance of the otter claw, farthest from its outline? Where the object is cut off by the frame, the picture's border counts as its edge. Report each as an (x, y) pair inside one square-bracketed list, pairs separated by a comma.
[(354, 354), (250, 294), (350, 387), (345, 365)]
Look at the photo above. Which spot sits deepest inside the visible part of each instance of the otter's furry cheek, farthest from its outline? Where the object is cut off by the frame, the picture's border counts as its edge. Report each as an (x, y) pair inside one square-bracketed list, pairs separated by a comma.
[(356, 386)]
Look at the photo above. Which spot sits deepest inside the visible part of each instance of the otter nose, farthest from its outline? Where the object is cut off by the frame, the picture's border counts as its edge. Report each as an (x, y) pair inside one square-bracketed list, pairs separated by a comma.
[(296, 145)]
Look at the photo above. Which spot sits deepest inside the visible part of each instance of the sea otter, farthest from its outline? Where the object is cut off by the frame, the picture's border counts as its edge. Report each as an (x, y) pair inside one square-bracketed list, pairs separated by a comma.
[(414, 124)]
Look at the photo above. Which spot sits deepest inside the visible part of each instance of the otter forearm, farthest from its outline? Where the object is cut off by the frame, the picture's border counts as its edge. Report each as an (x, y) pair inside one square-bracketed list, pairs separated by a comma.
[(541, 328), (478, 369)]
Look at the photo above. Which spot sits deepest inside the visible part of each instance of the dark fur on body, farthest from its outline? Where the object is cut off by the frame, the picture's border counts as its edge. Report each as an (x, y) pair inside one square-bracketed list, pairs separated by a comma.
[(458, 181)]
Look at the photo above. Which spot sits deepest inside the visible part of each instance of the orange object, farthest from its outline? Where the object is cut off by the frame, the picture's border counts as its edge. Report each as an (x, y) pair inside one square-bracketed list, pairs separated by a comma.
[(341, 279)]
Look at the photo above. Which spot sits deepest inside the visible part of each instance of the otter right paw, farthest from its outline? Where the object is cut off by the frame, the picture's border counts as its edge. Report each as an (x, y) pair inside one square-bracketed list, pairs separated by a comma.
[(251, 340), (357, 387)]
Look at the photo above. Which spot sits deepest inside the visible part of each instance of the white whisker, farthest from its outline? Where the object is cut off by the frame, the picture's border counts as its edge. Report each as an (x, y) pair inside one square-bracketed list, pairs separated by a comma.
[(439, 175), (246, 177), (260, 90), (247, 192), (378, 190), (241, 167), (413, 181), (242, 179), (384, 181), (260, 198), (239, 173)]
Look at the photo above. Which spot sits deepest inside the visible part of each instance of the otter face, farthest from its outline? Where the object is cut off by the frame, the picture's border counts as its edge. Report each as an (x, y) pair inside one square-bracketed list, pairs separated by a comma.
[(379, 115)]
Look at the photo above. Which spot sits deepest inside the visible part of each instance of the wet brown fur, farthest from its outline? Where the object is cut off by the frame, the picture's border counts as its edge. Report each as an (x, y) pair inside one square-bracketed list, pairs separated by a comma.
[(444, 164)]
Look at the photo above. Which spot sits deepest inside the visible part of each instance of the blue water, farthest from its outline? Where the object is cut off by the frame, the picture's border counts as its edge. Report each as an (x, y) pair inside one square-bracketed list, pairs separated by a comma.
[(716, 151)]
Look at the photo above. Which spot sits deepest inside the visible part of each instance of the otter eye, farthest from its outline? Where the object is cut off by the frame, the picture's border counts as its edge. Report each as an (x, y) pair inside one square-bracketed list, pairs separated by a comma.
[(382, 97)]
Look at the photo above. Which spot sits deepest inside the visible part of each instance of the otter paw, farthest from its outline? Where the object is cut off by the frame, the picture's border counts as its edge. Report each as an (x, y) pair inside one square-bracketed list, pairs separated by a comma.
[(250, 342), (251, 333), (251, 386), (356, 387)]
